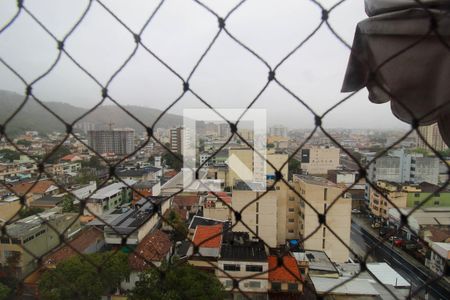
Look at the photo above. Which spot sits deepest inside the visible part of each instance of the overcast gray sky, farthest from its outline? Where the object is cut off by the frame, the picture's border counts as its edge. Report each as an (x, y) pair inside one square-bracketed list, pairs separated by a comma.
[(228, 77)]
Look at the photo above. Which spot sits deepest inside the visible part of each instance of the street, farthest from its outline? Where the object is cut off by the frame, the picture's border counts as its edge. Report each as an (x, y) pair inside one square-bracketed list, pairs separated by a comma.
[(364, 241)]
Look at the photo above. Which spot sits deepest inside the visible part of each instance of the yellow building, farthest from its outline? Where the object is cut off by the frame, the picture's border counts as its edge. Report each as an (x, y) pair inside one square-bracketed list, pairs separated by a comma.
[(394, 192), (317, 196)]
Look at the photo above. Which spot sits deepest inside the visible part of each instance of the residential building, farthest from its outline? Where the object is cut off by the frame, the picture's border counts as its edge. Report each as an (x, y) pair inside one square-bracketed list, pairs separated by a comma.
[(150, 252), (278, 130), (246, 261), (319, 160), (117, 141), (387, 195), (39, 234), (223, 130), (109, 197), (217, 207), (33, 190), (427, 195), (284, 280), (176, 139), (420, 221), (439, 258), (432, 136), (208, 242), (259, 215), (132, 223), (64, 168), (139, 174), (319, 195), (9, 206), (402, 167)]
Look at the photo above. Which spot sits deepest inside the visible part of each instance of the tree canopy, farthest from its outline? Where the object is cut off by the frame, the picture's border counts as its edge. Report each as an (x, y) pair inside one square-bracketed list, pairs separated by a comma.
[(177, 282), (78, 278)]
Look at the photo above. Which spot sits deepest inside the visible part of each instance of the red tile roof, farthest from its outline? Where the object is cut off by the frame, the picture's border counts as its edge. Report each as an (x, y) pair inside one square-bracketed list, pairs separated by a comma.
[(185, 200), (223, 195), (39, 188), (203, 234), (281, 273), (80, 243), (71, 157), (154, 247)]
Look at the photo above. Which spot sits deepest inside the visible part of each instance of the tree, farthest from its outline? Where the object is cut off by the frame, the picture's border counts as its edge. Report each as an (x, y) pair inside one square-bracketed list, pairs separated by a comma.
[(180, 227), (85, 176), (5, 292), (78, 278), (29, 211), (7, 155), (172, 161), (67, 204), (58, 154), (177, 282), (93, 162), (293, 166), (24, 143)]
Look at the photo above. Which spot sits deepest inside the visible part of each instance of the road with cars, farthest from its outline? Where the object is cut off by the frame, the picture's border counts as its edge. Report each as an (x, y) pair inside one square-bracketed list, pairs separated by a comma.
[(416, 274)]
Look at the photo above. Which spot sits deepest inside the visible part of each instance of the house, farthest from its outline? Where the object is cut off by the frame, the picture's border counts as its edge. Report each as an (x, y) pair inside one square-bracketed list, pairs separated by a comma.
[(246, 261), (207, 241), (71, 158), (39, 234), (439, 259), (140, 174), (108, 198), (132, 223), (198, 220), (217, 207), (33, 190), (284, 279), (187, 201), (151, 252), (145, 188)]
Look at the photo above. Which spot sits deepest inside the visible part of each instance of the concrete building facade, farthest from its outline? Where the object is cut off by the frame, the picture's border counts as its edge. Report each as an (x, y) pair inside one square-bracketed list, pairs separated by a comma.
[(319, 160), (117, 141), (320, 194)]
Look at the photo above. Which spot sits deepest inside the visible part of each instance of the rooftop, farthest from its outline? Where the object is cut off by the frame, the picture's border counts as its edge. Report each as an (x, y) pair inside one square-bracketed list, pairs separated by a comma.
[(353, 287), (199, 220), (237, 246), (318, 261), (34, 187), (387, 275), (288, 272), (136, 172), (112, 189), (316, 180), (185, 200), (154, 247), (208, 236)]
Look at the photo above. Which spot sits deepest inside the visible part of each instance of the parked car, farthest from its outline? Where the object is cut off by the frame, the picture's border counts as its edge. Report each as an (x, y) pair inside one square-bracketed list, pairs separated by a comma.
[(356, 211)]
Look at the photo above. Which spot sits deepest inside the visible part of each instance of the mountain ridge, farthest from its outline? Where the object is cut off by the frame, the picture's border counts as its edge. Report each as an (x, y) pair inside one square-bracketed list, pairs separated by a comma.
[(33, 116)]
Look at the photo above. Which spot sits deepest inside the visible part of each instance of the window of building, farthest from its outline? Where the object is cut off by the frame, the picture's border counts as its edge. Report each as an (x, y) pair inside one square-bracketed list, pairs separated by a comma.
[(292, 287), (16, 241), (291, 209), (253, 268), (416, 195), (254, 284), (228, 283), (4, 240), (436, 202), (291, 198), (291, 230), (231, 267), (276, 286), (28, 239), (325, 191), (291, 220)]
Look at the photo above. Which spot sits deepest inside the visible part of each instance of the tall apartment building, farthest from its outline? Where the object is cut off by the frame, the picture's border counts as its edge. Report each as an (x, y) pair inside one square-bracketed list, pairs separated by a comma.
[(320, 193), (242, 166), (223, 130), (319, 160), (433, 137), (117, 141), (176, 139), (401, 167), (278, 130)]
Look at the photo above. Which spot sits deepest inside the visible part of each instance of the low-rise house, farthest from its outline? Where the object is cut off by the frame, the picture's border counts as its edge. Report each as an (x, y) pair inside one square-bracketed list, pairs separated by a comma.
[(109, 198), (246, 261), (188, 201), (217, 207), (64, 168), (132, 224), (71, 158), (145, 189), (205, 251), (198, 220), (151, 252), (33, 190), (284, 279), (439, 258), (147, 173), (35, 234)]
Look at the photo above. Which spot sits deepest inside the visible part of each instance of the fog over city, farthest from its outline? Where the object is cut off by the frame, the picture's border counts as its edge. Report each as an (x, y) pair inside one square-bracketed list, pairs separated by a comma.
[(228, 77)]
